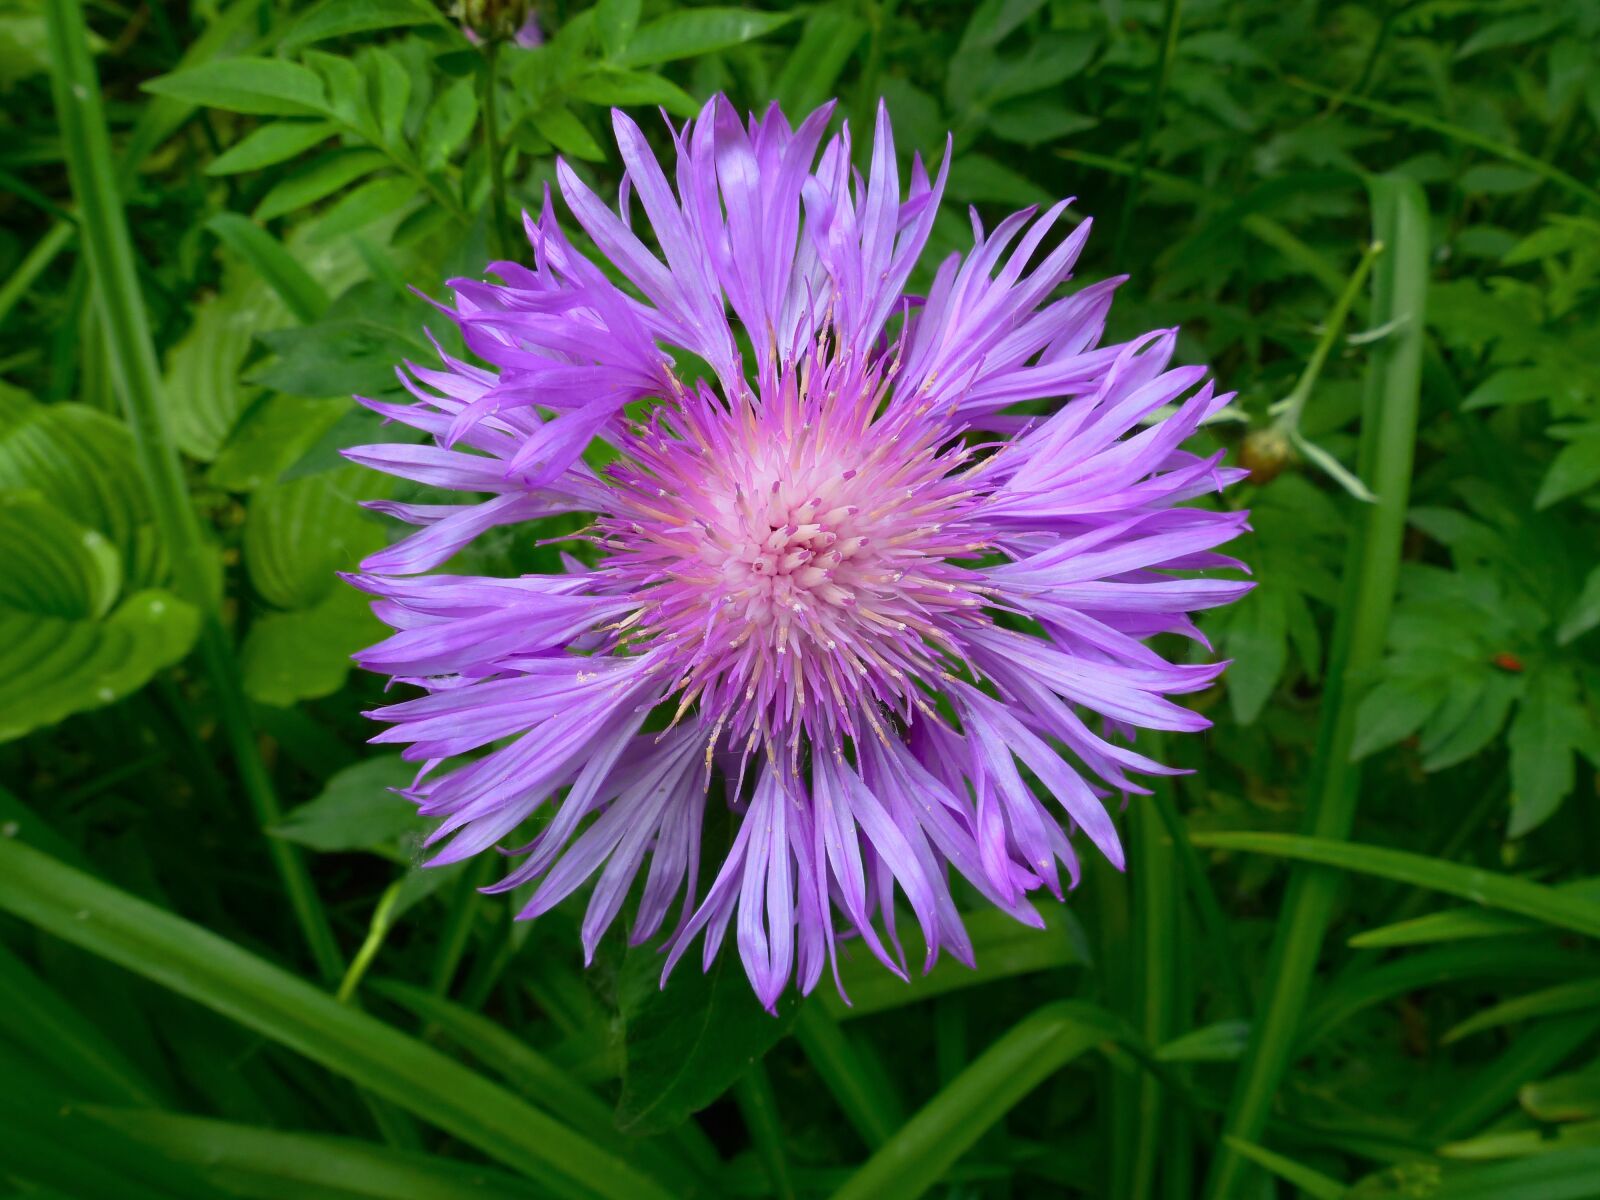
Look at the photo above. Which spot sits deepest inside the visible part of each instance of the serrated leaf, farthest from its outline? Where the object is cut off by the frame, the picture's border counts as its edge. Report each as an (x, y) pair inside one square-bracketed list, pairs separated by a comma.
[(297, 535), (1257, 642), (318, 180), (269, 145), (685, 1045), (271, 87), (1550, 727), (1584, 614), (694, 31), (356, 810), (66, 646), (1392, 711)]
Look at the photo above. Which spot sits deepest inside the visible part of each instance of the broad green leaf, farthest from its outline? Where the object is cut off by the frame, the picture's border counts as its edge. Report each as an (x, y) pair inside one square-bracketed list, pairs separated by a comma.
[(979, 179), (615, 21), (448, 123), (340, 18), (268, 257), (82, 461), (624, 88), (1393, 711), (1002, 946), (331, 173), (1257, 641), (1561, 999), (357, 810), (1574, 1097), (66, 645), (270, 145), (271, 87), (355, 349), (305, 653), (214, 972), (1496, 179), (914, 1161), (684, 1045), (271, 1162), (1488, 888), (1584, 614), (298, 534), (270, 437), (810, 75), (692, 31)]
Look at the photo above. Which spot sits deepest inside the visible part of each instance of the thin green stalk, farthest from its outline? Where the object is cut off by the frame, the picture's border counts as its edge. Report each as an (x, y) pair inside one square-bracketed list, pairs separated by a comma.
[(30, 268), (917, 1158), (492, 148), (1153, 872), (759, 1106), (87, 146), (862, 1094), (1209, 908), (1171, 24), (464, 907), (1388, 436)]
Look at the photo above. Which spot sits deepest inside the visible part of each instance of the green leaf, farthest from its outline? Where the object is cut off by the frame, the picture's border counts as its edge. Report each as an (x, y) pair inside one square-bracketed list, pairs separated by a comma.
[(615, 21), (354, 349), (357, 810), (279, 269), (270, 87), (214, 972), (565, 132), (1496, 179), (1562, 1175), (83, 462), (64, 648), (448, 124), (340, 18), (321, 178), (1313, 1183), (269, 1162), (979, 179), (1551, 726), (1458, 924), (811, 73), (367, 204), (269, 145), (1393, 711), (684, 1045), (298, 534), (1223, 1041), (1002, 947), (305, 654), (271, 437), (1584, 995), (1257, 642), (693, 31), (1584, 614), (1488, 888), (1576, 467), (620, 88), (1574, 1097), (915, 1160)]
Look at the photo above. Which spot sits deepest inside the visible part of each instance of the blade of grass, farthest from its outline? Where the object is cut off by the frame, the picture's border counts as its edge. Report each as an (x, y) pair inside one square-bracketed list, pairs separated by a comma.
[(1207, 906), (286, 1163), (1153, 873), (1388, 436), (1313, 1183), (304, 295), (214, 972), (106, 244), (1533, 1055), (759, 1107), (1456, 133), (920, 1155), (863, 1095), (1563, 998), (1489, 888)]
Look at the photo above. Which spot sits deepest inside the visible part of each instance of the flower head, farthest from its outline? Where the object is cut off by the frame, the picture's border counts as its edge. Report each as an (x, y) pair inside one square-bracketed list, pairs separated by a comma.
[(838, 585)]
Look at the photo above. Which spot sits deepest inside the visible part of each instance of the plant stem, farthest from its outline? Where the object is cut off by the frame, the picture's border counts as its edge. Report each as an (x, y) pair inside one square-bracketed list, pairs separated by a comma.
[(1388, 436), (1171, 24), (759, 1108), (493, 150), (109, 252)]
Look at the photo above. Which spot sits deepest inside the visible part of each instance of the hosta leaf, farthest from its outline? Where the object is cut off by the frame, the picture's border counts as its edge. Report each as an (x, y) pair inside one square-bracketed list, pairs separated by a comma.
[(82, 461), (303, 654), (65, 644), (298, 534), (272, 87)]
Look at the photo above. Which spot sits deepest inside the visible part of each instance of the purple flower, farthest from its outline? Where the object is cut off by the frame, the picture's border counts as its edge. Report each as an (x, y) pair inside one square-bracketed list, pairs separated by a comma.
[(838, 582)]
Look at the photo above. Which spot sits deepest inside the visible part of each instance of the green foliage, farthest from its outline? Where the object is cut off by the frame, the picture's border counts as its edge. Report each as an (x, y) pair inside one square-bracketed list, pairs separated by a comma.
[(209, 247)]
